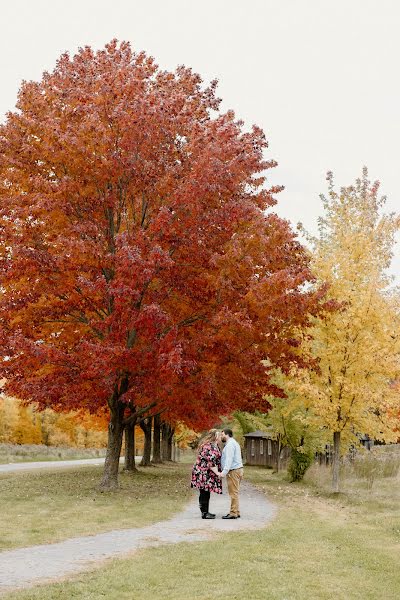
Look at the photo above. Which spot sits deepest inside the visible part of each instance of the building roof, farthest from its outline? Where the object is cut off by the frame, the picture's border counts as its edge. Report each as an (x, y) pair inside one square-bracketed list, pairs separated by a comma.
[(259, 434)]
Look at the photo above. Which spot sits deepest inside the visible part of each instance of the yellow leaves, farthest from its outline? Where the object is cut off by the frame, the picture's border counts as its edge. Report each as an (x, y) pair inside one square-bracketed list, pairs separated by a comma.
[(357, 347), (24, 425)]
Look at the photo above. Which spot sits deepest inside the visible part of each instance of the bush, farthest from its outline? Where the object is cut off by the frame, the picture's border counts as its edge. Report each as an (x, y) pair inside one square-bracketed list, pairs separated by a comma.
[(298, 465)]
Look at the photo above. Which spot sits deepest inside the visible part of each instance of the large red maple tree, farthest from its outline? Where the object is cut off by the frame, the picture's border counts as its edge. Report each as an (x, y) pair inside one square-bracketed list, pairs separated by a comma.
[(137, 262)]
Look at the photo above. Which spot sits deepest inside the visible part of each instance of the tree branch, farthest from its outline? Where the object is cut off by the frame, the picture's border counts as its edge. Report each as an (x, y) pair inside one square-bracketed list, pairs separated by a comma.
[(139, 413)]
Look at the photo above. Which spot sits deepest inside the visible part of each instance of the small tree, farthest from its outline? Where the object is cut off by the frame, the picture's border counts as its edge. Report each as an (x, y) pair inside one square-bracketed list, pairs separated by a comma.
[(351, 391), (9, 416), (290, 425), (296, 427)]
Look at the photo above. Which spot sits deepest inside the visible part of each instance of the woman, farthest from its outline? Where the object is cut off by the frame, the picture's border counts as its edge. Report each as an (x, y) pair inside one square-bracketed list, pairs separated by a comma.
[(205, 471)]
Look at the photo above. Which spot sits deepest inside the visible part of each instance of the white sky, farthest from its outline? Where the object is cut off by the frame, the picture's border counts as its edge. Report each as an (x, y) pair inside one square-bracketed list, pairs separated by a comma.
[(321, 77)]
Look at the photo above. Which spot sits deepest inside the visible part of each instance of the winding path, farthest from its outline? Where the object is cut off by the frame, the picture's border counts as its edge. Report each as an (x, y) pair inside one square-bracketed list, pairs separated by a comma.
[(38, 564)]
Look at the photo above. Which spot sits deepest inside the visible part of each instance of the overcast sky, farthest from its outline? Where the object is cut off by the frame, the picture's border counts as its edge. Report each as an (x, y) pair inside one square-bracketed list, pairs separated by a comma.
[(321, 77)]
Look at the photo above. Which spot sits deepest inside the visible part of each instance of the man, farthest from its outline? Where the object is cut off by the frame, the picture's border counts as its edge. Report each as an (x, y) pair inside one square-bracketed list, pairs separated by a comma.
[(232, 469)]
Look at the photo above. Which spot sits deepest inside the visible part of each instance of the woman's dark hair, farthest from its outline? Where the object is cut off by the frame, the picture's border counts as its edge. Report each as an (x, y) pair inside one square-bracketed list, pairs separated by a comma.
[(228, 432)]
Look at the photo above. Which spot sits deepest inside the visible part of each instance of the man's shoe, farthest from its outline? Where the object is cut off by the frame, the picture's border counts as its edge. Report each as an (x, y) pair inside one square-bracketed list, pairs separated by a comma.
[(207, 515), (229, 517)]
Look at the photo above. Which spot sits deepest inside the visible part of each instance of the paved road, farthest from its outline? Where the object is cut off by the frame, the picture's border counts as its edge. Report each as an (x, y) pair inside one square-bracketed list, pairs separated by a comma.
[(53, 464), (30, 566)]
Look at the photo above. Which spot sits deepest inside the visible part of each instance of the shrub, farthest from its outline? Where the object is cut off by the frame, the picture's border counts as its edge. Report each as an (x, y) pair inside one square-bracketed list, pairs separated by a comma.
[(298, 465)]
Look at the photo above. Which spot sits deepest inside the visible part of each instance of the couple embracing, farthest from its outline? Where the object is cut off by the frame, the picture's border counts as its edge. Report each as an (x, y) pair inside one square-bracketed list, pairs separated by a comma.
[(211, 467)]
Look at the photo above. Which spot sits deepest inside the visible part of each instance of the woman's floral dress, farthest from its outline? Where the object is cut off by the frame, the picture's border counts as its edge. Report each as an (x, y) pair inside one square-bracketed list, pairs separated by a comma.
[(202, 478)]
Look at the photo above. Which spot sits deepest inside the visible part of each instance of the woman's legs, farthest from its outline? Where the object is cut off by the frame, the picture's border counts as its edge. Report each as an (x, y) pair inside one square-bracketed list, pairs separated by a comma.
[(204, 501)]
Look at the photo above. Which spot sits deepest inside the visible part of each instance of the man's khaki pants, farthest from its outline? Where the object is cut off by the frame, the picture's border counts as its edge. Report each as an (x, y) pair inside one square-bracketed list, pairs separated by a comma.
[(233, 479)]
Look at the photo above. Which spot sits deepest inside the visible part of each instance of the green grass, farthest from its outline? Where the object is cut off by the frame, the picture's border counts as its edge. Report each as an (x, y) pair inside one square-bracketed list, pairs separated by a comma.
[(319, 547), (52, 505)]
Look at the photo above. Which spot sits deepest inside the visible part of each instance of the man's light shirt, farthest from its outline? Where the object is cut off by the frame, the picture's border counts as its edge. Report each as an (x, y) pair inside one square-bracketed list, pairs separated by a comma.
[(231, 456)]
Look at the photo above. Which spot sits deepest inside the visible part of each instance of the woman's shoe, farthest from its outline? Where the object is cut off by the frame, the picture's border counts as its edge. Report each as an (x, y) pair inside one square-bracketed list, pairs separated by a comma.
[(207, 515)]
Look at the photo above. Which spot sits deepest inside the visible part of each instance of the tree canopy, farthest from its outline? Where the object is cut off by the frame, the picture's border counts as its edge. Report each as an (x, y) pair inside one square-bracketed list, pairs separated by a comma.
[(138, 263), (352, 391)]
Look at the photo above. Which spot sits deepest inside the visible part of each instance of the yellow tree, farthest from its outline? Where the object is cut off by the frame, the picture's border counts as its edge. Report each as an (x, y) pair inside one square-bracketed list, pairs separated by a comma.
[(9, 415), (357, 346), (27, 429)]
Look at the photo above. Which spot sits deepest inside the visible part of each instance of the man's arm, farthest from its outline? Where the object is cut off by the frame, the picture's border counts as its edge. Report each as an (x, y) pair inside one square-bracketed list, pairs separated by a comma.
[(229, 451)]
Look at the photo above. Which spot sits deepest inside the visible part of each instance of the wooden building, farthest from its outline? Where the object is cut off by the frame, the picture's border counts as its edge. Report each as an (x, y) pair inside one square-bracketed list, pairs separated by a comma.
[(261, 449)]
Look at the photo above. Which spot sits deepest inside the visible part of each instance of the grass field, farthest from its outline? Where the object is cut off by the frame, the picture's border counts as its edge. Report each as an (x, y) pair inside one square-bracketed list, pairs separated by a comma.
[(319, 547), (52, 505), (13, 453)]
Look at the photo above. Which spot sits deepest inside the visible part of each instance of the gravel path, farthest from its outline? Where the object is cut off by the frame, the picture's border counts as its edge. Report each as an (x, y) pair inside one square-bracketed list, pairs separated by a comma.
[(29, 566)]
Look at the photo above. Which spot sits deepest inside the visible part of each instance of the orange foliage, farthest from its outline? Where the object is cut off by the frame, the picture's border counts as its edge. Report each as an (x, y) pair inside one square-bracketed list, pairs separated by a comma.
[(138, 262)]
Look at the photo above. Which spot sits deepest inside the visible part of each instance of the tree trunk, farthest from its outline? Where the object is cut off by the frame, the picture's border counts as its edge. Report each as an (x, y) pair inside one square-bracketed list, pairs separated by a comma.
[(157, 440), (146, 426), (115, 433), (278, 455), (164, 440), (173, 451), (169, 442), (130, 447), (44, 430), (336, 461)]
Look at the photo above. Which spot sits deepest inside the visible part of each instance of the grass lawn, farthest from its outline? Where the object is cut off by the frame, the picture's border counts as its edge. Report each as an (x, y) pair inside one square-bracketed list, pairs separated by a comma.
[(319, 547), (52, 505), (14, 453)]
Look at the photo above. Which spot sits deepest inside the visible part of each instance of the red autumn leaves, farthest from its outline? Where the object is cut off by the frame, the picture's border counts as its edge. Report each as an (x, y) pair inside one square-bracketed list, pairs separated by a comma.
[(137, 261)]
